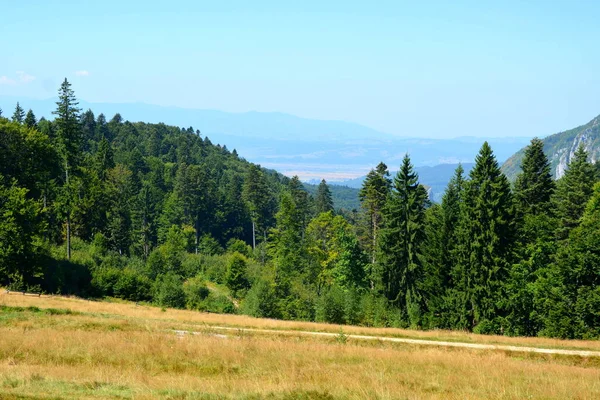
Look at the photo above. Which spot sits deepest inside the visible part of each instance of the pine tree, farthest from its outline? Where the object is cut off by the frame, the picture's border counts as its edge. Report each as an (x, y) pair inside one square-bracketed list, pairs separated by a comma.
[(258, 197), (401, 243), (302, 201), (573, 293), (573, 191), (441, 255), (486, 238), (30, 120), (69, 142), (373, 196), (534, 188), (323, 200), (19, 114)]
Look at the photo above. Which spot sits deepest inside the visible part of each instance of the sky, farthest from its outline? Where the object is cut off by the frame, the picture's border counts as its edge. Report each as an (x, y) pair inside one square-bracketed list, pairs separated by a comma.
[(437, 69)]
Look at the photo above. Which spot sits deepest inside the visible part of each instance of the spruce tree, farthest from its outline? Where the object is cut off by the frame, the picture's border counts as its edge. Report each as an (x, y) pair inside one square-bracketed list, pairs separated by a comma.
[(573, 293), (486, 237), (533, 190), (302, 201), (69, 142), (259, 200), (442, 231), (401, 243), (573, 191), (30, 120), (534, 186), (19, 114), (323, 200), (373, 196)]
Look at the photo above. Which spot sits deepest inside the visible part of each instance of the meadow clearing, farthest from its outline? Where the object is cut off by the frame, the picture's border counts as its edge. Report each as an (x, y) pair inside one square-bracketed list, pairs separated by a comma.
[(66, 348)]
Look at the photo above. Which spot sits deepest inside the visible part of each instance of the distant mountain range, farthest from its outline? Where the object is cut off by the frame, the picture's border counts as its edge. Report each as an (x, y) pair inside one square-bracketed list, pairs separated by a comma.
[(560, 148), (311, 149)]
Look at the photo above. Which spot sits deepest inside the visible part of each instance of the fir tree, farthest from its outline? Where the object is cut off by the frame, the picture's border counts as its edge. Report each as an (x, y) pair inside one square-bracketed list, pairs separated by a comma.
[(30, 120), (401, 243), (486, 242), (533, 190), (373, 195), (573, 192), (323, 200), (69, 143), (19, 114)]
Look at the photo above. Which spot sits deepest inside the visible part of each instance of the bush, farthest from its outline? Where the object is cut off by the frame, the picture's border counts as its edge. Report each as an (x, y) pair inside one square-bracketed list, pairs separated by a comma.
[(208, 245), (168, 291), (236, 279), (237, 245), (261, 301), (195, 293), (330, 306)]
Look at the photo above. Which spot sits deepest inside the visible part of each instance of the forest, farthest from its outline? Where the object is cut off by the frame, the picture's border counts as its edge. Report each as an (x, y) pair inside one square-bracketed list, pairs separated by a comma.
[(153, 213)]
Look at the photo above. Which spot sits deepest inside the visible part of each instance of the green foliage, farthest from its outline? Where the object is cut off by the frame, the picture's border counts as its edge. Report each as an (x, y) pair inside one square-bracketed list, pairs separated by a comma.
[(573, 192), (486, 235), (401, 243), (236, 278), (168, 291), (19, 244), (323, 199)]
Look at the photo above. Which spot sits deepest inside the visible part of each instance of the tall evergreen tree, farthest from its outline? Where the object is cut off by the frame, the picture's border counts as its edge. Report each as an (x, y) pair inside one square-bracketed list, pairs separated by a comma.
[(573, 293), (534, 186), (401, 243), (69, 142), (573, 191), (19, 114), (302, 201), (323, 200), (30, 120), (258, 197), (533, 190), (373, 196), (486, 243)]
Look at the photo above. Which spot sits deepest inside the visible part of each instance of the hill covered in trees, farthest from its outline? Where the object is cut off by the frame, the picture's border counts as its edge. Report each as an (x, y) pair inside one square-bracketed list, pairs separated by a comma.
[(150, 212), (560, 148)]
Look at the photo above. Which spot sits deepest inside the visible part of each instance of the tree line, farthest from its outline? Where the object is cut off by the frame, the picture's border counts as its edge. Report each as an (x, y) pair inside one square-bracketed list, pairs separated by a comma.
[(150, 212)]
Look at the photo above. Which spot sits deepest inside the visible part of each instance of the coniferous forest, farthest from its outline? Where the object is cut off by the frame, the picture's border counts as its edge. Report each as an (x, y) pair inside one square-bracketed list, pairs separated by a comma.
[(99, 207)]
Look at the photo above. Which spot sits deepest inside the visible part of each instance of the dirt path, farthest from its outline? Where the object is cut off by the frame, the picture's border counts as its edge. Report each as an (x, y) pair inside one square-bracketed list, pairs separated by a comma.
[(421, 342)]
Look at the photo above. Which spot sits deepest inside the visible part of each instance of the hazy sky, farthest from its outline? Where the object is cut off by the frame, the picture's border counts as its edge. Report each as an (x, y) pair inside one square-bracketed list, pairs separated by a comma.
[(419, 68)]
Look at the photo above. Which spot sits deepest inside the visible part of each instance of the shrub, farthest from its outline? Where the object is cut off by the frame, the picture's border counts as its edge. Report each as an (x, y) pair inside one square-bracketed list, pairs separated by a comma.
[(330, 306), (195, 293), (236, 279), (261, 301), (237, 245), (168, 291)]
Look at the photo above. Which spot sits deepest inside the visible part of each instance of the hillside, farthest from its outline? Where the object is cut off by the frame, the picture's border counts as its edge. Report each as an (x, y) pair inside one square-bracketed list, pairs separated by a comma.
[(310, 148), (560, 147)]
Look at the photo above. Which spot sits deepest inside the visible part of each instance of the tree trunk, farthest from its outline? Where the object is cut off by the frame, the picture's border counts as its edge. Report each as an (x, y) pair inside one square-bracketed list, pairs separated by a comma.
[(253, 236)]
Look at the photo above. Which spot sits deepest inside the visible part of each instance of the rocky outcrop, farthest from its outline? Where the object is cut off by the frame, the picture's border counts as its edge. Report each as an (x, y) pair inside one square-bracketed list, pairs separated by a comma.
[(560, 149)]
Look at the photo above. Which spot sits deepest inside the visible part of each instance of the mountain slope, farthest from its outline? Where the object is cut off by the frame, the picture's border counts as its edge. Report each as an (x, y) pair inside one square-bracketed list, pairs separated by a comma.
[(560, 148)]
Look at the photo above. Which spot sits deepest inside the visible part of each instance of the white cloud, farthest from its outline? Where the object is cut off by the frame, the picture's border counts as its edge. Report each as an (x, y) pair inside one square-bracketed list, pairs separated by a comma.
[(24, 77), (5, 80), (82, 73)]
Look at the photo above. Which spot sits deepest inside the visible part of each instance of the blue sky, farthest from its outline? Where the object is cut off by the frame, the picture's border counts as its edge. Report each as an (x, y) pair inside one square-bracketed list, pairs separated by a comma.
[(428, 68)]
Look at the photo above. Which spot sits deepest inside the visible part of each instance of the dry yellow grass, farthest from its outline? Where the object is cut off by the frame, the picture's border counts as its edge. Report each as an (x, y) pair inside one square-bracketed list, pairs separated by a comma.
[(122, 351)]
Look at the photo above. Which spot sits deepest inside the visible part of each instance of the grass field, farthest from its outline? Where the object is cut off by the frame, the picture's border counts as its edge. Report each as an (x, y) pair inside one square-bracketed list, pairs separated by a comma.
[(65, 348)]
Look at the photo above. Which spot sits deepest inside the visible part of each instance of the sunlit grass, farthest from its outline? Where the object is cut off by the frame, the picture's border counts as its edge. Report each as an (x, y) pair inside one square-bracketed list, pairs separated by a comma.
[(73, 348)]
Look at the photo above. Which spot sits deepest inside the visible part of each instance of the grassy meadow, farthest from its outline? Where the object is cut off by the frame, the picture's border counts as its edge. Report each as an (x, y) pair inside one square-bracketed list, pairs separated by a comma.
[(68, 348)]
